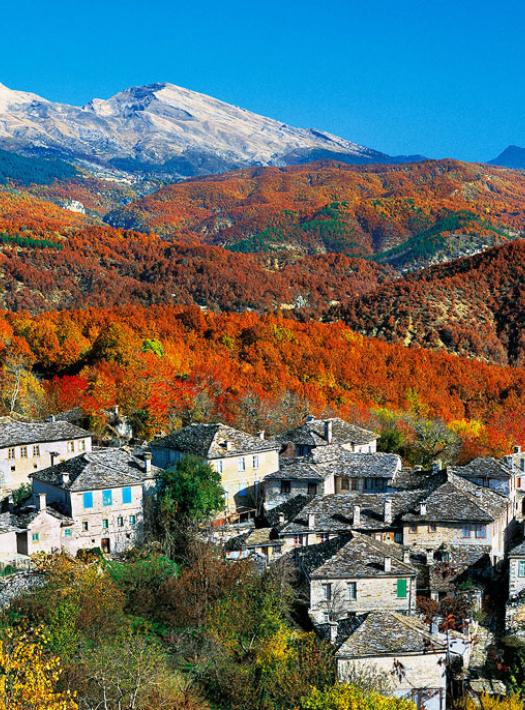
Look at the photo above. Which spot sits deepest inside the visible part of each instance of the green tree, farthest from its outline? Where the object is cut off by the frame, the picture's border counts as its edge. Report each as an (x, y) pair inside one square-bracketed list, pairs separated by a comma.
[(192, 491)]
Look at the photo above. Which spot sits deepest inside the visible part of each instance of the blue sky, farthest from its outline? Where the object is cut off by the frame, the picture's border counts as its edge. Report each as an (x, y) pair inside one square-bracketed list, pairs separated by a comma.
[(438, 77)]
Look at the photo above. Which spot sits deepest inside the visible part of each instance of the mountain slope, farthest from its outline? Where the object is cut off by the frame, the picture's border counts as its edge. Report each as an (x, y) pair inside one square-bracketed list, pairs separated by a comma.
[(164, 129), (473, 307), (452, 209), (512, 157)]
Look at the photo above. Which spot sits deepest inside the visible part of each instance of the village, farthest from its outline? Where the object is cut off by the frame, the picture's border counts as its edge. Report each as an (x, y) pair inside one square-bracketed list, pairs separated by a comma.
[(414, 573)]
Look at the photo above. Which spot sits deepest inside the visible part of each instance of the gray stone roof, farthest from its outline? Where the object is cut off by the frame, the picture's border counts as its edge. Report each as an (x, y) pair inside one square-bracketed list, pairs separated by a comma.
[(463, 562), (517, 551), (486, 466), (289, 509), (335, 513), (341, 463), (23, 516), (312, 433), (101, 468), (7, 523), (457, 501), (363, 556), (213, 441), (390, 634), (16, 433), (299, 469)]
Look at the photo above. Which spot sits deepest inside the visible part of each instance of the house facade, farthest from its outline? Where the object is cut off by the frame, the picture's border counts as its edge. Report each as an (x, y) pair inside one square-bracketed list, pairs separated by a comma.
[(241, 459), (26, 447), (316, 433)]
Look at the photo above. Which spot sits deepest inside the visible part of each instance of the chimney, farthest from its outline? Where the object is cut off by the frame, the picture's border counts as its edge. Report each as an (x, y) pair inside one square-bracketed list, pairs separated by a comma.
[(437, 466), (147, 461), (357, 516), (10, 503), (517, 449), (422, 509), (228, 445), (311, 521), (64, 477), (116, 410), (430, 557), (334, 626), (388, 565), (282, 519), (53, 418), (387, 514), (328, 430), (41, 503), (509, 461), (262, 434), (406, 556)]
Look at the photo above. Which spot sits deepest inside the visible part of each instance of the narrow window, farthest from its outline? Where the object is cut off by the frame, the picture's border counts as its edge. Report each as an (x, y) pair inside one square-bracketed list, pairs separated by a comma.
[(107, 497), (312, 489), (35, 537), (351, 589), (324, 537), (85, 526), (88, 499), (71, 446), (126, 494), (242, 464), (413, 528), (521, 568), (120, 521), (327, 591), (36, 451), (132, 519), (82, 445), (255, 462), (67, 532), (105, 523), (23, 452), (285, 487), (219, 465), (11, 453), (465, 532), (481, 532), (345, 484), (401, 589), (432, 527)]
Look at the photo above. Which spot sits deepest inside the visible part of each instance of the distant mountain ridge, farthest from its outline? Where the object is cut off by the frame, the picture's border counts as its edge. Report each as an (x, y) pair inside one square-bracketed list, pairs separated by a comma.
[(165, 130), (512, 157)]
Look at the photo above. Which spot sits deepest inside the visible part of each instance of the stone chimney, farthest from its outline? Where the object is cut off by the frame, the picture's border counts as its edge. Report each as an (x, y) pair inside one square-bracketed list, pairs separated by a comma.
[(328, 430), (387, 513), (406, 556), (430, 557), (116, 410), (229, 445), (388, 565), (147, 461), (282, 519), (517, 449), (262, 434), (334, 627), (422, 509), (65, 478), (41, 503), (311, 521), (357, 516)]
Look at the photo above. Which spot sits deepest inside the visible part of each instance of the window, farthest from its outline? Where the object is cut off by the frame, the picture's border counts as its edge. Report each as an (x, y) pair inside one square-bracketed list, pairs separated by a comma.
[(345, 484), (255, 461), (120, 521), (327, 591), (23, 452), (518, 482), (85, 526), (132, 519), (35, 537), (398, 537), (413, 529), (126, 494), (88, 500), (432, 527), (36, 450), (107, 497), (481, 532), (11, 453), (285, 487), (219, 466), (401, 589), (241, 464), (312, 489), (465, 532), (82, 445), (521, 568), (68, 532), (300, 539), (71, 447), (351, 589), (324, 537), (105, 523)]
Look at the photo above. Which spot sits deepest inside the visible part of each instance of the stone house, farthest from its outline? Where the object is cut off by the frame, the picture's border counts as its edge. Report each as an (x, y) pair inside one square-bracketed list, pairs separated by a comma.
[(241, 459), (356, 577), (297, 477), (105, 494), (459, 513), (515, 608), (404, 650), (26, 447), (315, 433)]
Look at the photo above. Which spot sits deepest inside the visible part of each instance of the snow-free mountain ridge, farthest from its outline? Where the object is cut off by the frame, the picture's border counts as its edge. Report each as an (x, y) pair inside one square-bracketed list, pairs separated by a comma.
[(164, 129)]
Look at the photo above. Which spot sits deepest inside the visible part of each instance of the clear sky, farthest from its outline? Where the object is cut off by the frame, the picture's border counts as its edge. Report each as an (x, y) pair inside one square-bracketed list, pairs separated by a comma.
[(437, 77)]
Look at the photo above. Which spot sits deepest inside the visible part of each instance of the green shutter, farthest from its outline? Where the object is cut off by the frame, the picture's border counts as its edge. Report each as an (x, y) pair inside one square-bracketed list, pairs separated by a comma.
[(401, 588)]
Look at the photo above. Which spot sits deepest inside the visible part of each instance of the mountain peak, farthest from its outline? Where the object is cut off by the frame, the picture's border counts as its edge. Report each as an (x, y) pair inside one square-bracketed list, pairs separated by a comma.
[(512, 157)]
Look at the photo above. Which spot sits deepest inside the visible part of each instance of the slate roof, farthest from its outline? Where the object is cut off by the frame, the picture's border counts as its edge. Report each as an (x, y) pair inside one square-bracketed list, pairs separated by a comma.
[(485, 466), (457, 501), (299, 469), (517, 551), (290, 508), (364, 557), (341, 463), (7, 524), (24, 516), (209, 441), (390, 634), (335, 513), (466, 562), (16, 433), (312, 433), (101, 468)]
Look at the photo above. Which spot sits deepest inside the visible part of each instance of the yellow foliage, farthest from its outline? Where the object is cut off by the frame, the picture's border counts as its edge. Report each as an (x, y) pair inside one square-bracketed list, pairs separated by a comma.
[(348, 697), (489, 702), (467, 427), (28, 678)]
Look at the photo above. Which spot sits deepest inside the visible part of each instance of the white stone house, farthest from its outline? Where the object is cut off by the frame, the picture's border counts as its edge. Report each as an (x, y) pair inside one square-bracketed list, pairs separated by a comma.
[(402, 648), (26, 447), (316, 433), (361, 576), (241, 459)]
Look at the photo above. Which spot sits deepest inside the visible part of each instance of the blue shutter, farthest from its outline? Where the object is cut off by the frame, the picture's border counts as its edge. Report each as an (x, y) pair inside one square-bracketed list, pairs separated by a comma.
[(88, 499), (107, 497), (126, 495)]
